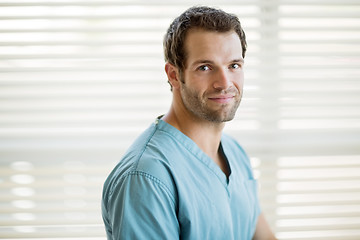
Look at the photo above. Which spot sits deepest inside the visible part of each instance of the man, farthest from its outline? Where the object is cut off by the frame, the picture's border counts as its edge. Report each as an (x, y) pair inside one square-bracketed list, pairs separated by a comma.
[(182, 178)]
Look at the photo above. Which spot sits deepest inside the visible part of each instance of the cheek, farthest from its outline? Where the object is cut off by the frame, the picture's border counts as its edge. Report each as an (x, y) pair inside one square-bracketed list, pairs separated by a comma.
[(239, 82), (196, 83)]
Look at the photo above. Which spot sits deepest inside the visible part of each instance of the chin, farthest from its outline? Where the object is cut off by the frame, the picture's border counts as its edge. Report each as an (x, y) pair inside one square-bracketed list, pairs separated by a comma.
[(219, 119)]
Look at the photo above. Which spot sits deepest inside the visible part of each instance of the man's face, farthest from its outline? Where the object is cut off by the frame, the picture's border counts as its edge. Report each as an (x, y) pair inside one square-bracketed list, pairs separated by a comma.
[(212, 81)]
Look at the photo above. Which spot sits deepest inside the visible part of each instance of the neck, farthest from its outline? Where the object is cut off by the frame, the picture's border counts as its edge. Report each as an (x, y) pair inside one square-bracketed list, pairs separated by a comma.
[(206, 134)]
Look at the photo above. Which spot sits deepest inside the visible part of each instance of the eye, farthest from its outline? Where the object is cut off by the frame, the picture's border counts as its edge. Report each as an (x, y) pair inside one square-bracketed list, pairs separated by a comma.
[(203, 68), (235, 66)]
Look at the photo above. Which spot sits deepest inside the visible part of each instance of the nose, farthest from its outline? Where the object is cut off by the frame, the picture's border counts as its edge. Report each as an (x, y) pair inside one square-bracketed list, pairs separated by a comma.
[(222, 80)]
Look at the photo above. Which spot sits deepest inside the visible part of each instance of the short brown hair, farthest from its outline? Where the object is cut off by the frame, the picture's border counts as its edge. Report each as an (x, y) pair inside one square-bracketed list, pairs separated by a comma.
[(205, 18)]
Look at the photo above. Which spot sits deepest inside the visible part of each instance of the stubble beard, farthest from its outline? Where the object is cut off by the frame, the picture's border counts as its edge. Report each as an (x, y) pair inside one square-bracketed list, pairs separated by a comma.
[(198, 105)]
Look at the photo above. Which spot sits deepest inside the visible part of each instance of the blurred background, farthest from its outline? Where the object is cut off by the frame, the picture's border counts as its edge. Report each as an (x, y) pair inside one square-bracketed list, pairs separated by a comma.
[(79, 80)]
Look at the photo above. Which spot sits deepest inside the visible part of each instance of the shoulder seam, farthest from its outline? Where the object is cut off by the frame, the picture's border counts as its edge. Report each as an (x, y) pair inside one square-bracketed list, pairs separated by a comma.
[(145, 147), (150, 177)]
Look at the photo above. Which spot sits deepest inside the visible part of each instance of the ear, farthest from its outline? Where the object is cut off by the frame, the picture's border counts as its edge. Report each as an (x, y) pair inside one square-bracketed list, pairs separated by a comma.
[(173, 75)]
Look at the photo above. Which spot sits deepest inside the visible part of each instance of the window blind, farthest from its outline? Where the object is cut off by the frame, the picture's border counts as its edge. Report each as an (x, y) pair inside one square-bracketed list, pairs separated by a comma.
[(79, 80)]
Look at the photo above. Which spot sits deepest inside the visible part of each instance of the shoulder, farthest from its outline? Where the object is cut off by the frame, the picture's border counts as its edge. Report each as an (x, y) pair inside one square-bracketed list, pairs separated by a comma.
[(142, 163)]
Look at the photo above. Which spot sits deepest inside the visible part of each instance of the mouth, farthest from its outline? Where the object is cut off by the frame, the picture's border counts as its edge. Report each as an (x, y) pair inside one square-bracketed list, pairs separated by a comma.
[(222, 99)]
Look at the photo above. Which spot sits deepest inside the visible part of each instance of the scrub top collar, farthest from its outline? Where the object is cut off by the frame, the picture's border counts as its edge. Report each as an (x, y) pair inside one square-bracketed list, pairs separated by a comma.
[(193, 148)]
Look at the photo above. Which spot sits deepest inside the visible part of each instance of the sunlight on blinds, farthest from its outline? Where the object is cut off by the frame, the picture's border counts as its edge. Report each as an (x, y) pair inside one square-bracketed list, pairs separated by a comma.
[(79, 80)]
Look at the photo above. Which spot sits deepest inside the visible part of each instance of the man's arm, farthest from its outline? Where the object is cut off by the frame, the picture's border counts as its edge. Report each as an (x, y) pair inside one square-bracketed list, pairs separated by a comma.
[(141, 207), (263, 231)]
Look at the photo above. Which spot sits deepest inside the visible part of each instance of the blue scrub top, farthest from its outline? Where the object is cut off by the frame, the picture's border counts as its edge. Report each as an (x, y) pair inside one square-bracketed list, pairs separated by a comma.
[(166, 187)]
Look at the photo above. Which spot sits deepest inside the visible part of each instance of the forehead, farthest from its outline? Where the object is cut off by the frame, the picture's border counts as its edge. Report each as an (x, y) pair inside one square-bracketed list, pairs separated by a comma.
[(212, 45)]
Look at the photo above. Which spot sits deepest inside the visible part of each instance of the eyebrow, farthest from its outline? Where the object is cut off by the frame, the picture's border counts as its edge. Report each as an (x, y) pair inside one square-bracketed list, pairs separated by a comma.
[(238, 60), (204, 61), (201, 62)]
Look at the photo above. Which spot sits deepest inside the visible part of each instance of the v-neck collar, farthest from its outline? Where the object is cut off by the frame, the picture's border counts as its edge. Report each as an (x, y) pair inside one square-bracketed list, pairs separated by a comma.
[(194, 149)]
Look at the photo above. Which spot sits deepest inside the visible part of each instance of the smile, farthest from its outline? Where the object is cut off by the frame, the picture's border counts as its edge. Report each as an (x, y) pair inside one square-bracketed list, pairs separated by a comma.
[(222, 99)]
